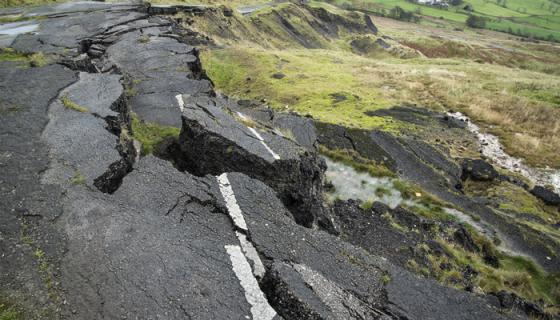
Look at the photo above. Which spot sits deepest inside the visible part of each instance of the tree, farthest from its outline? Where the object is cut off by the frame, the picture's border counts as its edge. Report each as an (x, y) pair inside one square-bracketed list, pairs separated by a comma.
[(476, 22), (399, 13)]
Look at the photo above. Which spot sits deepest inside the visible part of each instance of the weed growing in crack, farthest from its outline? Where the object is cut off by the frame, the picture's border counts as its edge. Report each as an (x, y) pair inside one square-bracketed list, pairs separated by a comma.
[(144, 39), (78, 179), (44, 268), (71, 105), (37, 60), (9, 312), (151, 134)]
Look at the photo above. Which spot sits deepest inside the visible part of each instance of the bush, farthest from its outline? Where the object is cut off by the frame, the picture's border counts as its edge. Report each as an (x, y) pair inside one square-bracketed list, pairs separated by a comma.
[(399, 13), (476, 22)]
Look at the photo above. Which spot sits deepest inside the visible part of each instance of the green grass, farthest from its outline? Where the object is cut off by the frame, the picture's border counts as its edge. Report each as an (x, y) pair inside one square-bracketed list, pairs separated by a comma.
[(78, 179), (71, 105), (526, 18), (23, 3), (151, 134), (9, 312), (357, 162), (34, 60), (516, 274), (313, 79), (12, 55), (516, 199)]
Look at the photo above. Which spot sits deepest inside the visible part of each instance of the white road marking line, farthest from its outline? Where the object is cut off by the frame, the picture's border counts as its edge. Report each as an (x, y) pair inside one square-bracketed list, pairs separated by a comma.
[(338, 300), (252, 254), (274, 155), (256, 134), (180, 102), (231, 203), (260, 309)]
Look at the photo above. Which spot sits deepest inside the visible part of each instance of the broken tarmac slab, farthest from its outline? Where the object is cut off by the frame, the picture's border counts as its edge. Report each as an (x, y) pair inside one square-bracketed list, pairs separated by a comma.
[(159, 68), (215, 139), (82, 149)]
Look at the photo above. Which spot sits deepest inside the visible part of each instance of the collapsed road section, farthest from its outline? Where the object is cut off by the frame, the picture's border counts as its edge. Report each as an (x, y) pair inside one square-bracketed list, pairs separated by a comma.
[(90, 229)]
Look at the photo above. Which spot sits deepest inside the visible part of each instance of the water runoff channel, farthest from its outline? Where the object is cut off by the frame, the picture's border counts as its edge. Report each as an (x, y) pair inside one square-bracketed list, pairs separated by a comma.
[(351, 184)]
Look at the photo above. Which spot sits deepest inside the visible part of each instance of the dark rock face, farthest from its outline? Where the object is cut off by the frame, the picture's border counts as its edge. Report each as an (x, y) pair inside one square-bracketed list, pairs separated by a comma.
[(463, 238), (214, 141), (546, 195), (369, 229), (382, 43), (512, 301), (478, 170)]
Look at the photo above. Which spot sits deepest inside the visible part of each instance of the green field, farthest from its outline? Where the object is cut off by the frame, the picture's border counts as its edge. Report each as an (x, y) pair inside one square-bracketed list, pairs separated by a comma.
[(538, 19)]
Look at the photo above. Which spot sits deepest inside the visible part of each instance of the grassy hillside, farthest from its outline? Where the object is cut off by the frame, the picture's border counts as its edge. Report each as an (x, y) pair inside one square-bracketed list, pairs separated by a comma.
[(509, 87), (538, 19)]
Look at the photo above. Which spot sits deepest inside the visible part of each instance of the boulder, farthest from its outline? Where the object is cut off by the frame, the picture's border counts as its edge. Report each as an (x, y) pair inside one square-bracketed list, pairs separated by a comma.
[(478, 170), (548, 196), (463, 237)]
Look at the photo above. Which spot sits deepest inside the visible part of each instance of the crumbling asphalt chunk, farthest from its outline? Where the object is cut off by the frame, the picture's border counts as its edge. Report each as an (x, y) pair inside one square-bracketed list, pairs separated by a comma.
[(159, 68), (82, 150), (215, 139)]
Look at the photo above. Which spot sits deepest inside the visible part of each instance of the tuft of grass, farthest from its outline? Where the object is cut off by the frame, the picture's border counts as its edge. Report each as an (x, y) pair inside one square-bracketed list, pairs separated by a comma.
[(78, 179), (516, 199), (8, 54), (366, 205), (387, 216), (386, 279), (286, 133), (427, 205), (359, 163), (130, 92), (37, 60), (71, 105), (151, 134), (9, 312), (144, 39), (516, 274)]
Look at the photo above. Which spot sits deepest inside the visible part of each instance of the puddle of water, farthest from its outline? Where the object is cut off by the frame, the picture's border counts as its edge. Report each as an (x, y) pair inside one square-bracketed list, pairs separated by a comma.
[(351, 184), (16, 28), (492, 148)]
